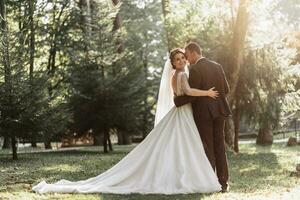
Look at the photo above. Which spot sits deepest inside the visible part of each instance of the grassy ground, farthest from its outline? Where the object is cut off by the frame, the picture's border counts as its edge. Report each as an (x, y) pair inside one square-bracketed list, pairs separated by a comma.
[(256, 173)]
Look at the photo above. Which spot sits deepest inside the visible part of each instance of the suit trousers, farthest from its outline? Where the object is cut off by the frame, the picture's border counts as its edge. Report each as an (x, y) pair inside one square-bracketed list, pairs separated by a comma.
[(212, 136)]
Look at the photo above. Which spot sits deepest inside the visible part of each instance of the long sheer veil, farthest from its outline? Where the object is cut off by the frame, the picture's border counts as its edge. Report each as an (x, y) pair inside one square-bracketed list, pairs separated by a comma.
[(165, 95)]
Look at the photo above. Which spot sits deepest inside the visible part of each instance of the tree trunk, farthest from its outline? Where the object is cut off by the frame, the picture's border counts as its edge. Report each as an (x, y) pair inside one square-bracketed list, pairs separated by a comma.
[(229, 132), (127, 139), (32, 37), (22, 26), (14, 148), (239, 35), (265, 137), (5, 59), (33, 142), (52, 50), (48, 144), (119, 43), (32, 53), (6, 143), (98, 140), (106, 141), (124, 139), (105, 138), (120, 137), (85, 8), (109, 143), (237, 118), (5, 46), (145, 95), (56, 25), (166, 8), (116, 27)]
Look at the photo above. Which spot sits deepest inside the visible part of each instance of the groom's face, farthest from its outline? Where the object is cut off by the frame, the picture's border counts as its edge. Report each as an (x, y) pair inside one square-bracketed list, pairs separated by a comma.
[(189, 56)]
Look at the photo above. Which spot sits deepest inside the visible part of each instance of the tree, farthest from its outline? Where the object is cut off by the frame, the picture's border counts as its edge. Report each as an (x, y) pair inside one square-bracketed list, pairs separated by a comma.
[(24, 104), (166, 8), (104, 86), (144, 29), (236, 61), (116, 30), (32, 50), (7, 69), (56, 32)]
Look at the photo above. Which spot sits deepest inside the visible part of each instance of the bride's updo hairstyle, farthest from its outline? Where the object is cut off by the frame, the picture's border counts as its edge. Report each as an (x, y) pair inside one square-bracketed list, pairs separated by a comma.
[(173, 53)]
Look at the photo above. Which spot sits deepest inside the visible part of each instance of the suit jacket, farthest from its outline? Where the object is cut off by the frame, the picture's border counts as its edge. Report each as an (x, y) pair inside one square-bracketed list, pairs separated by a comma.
[(204, 75)]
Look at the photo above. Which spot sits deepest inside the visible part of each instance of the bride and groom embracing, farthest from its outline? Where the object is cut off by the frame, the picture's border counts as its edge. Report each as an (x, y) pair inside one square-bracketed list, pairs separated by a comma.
[(185, 151)]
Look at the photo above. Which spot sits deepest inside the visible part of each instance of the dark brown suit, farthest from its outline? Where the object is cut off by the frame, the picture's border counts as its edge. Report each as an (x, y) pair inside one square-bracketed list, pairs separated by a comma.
[(209, 114)]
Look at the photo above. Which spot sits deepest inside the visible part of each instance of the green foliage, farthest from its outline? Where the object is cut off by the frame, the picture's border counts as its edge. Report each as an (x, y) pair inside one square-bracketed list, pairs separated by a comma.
[(107, 89), (28, 111), (261, 91), (81, 82), (143, 40), (266, 88)]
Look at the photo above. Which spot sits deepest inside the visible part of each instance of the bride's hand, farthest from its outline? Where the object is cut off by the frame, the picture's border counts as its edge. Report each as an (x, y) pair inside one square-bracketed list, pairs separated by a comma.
[(212, 93)]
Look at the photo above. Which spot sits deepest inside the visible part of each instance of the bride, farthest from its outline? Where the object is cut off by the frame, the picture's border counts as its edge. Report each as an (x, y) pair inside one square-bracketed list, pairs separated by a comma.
[(170, 160)]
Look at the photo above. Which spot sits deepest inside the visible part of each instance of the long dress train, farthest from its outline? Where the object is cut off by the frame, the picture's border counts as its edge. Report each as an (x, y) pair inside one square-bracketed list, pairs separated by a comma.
[(170, 160)]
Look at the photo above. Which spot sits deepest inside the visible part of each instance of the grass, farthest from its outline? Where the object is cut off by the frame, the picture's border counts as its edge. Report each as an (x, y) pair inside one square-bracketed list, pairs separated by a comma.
[(255, 173)]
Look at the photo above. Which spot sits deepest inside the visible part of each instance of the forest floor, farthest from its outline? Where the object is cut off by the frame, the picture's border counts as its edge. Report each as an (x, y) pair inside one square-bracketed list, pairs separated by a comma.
[(255, 173)]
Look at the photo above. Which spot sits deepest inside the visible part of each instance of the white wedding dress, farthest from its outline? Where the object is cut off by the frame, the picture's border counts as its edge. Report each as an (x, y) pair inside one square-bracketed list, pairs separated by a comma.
[(170, 160)]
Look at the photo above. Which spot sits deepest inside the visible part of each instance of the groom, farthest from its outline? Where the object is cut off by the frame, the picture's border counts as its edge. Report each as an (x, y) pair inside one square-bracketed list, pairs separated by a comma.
[(209, 114)]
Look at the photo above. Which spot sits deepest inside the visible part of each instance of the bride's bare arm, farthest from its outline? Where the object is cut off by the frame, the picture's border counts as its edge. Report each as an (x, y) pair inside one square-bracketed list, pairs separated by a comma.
[(196, 92)]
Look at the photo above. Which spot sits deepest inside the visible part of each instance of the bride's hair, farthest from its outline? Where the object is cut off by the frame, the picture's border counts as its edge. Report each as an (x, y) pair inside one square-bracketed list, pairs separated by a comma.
[(173, 53)]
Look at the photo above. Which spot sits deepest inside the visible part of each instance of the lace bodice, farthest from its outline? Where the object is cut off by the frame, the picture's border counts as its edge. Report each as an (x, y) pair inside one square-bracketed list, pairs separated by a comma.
[(182, 84)]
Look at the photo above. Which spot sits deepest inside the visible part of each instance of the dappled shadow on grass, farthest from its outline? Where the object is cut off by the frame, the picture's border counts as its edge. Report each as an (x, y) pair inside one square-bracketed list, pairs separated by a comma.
[(73, 165), (263, 148), (250, 171)]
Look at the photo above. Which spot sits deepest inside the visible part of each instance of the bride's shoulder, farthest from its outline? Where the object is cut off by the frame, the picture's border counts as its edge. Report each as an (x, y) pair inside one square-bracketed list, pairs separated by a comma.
[(179, 75), (182, 74)]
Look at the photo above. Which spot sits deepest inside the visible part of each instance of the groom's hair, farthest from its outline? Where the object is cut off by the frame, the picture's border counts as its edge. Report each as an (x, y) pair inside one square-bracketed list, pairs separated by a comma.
[(193, 47)]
